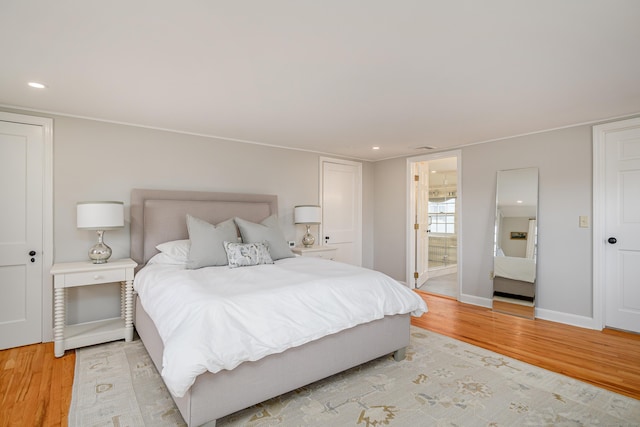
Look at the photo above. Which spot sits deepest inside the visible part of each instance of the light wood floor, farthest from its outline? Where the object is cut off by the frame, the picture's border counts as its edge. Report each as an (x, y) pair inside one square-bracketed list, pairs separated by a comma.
[(35, 387), (609, 359)]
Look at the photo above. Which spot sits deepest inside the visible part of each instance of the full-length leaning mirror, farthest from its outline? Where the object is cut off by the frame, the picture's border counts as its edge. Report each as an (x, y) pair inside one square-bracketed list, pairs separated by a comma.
[(515, 242)]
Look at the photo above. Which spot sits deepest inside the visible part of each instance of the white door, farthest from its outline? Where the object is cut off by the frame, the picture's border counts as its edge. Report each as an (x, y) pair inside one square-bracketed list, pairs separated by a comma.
[(21, 233), (341, 200), (622, 227), (421, 222)]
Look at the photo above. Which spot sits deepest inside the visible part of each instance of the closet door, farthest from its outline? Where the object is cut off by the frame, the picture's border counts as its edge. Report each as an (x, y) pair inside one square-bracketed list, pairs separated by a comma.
[(21, 234), (341, 201)]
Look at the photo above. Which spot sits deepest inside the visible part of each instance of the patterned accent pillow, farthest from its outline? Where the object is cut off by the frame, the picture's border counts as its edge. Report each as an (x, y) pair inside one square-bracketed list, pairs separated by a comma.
[(246, 254)]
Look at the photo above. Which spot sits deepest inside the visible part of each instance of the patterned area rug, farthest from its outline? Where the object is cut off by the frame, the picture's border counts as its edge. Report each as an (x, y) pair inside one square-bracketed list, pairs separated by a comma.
[(442, 382)]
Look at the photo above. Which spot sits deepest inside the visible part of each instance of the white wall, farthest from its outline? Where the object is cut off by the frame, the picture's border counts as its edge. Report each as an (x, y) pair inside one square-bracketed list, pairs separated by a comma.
[(390, 206), (102, 161), (564, 158), (564, 251)]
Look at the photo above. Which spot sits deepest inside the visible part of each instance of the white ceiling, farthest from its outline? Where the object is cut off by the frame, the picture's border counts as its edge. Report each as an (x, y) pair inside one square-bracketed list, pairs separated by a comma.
[(330, 76)]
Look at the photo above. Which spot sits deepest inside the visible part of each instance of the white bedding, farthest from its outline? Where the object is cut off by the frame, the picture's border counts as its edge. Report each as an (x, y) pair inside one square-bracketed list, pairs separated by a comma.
[(515, 268), (216, 318)]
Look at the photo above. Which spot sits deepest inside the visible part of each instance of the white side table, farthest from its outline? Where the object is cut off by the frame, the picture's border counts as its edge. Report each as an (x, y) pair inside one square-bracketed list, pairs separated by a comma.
[(325, 252), (74, 274)]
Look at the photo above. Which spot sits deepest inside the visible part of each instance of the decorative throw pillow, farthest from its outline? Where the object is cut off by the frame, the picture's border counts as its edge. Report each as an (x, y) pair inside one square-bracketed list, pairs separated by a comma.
[(207, 242), (246, 254), (267, 231)]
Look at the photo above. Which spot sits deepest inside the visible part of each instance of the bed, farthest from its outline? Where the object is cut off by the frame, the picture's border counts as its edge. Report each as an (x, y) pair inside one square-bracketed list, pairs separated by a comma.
[(158, 216)]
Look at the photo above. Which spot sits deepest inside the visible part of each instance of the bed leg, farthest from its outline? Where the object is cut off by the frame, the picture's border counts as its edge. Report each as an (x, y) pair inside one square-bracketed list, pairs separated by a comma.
[(400, 354)]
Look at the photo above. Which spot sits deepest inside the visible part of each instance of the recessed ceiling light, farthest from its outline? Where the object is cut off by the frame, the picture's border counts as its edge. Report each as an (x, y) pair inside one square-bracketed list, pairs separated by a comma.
[(518, 201), (375, 148), (37, 85)]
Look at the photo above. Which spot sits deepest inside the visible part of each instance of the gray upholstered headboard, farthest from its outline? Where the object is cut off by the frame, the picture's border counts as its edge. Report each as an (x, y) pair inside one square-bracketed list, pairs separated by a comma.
[(159, 216)]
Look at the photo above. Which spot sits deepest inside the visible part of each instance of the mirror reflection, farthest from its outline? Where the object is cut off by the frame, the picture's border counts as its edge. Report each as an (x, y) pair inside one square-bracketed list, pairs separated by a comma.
[(515, 241)]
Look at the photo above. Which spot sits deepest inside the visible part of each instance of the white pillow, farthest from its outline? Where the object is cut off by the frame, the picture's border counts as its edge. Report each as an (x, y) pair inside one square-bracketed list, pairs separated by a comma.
[(163, 258), (177, 249)]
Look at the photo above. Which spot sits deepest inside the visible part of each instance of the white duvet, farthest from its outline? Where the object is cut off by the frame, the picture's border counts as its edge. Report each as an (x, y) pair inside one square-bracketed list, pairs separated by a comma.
[(515, 268), (218, 317)]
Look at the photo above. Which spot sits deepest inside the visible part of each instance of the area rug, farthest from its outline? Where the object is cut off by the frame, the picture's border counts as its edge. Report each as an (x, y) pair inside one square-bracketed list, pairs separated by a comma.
[(442, 382)]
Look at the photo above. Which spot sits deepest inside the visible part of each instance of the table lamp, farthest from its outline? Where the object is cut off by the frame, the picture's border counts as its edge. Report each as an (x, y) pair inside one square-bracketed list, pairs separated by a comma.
[(307, 215), (100, 216)]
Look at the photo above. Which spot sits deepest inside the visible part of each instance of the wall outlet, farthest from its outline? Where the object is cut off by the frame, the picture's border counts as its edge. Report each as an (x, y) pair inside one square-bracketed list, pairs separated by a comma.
[(491, 275), (292, 244)]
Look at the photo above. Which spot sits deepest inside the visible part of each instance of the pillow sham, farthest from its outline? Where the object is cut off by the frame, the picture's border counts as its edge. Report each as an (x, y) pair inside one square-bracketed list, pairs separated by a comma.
[(163, 258), (267, 231), (177, 249), (207, 242), (246, 254)]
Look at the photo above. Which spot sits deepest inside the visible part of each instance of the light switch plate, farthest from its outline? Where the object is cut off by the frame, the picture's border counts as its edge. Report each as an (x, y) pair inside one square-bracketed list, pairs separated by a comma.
[(584, 221)]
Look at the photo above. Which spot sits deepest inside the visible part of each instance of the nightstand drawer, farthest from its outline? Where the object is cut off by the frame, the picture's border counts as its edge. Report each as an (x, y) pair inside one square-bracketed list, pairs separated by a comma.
[(94, 277), (323, 254)]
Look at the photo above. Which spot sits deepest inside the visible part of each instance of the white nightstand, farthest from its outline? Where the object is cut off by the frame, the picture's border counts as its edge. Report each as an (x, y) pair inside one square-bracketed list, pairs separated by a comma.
[(325, 252), (74, 274)]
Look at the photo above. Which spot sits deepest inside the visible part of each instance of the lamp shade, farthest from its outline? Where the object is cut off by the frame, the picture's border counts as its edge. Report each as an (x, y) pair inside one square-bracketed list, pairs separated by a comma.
[(307, 214), (100, 215)]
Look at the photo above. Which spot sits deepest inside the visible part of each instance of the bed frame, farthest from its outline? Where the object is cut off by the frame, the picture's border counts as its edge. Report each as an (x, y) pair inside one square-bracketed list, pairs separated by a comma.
[(158, 216), (510, 288)]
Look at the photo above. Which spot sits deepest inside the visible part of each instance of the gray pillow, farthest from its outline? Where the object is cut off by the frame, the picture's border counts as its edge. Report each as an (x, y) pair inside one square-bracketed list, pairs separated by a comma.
[(267, 231), (247, 254), (207, 242)]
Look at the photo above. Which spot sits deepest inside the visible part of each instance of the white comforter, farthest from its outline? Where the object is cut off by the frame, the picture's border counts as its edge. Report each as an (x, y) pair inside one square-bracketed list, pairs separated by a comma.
[(515, 268), (216, 318)]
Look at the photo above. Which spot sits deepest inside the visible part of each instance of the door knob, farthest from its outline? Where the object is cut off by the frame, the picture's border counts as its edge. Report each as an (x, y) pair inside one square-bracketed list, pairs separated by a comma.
[(612, 240), (32, 253)]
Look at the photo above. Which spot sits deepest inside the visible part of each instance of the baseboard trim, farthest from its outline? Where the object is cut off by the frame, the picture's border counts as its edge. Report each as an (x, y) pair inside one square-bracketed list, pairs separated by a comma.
[(567, 318), (474, 300), (541, 313)]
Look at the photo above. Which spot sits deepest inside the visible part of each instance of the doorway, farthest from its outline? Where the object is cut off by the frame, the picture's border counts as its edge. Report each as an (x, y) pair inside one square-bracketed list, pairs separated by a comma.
[(434, 206)]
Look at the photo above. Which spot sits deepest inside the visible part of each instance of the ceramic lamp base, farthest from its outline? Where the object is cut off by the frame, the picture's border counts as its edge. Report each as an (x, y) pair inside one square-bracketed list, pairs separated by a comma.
[(100, 253), (308, 240)]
